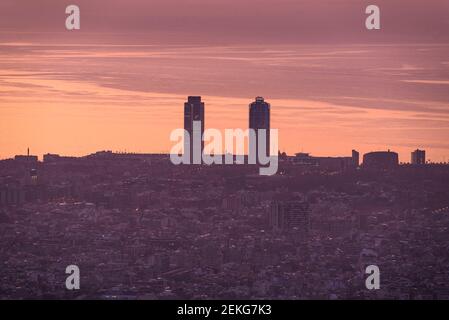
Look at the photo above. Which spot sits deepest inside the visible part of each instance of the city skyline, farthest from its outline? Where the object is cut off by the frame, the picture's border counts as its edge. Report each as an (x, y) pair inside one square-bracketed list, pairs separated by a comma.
[(118, 82), (259, 118), (33, 115), (250, 150)]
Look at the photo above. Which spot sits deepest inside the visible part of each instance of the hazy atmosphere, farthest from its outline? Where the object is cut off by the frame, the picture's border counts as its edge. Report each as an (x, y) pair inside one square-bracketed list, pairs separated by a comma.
[(120, 81)]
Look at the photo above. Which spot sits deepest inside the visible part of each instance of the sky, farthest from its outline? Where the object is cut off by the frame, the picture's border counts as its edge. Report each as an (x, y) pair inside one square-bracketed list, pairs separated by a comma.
[(120, 82)]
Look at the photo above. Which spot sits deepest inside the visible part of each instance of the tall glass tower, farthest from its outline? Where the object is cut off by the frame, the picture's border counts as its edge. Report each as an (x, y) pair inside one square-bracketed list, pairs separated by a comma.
[(259, 118), (194, 112)]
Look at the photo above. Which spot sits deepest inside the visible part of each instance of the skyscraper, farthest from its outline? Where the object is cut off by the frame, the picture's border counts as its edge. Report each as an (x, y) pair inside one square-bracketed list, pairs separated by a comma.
[(259, 118), (290, 216), (419, 157), (194, 125), (355, 158)]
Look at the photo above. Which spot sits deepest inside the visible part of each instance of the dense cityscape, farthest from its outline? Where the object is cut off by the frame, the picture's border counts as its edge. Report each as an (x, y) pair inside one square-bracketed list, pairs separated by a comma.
[(140, 227)]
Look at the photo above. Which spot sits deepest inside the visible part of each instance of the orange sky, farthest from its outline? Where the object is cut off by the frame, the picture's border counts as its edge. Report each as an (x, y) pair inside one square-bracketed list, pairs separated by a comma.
[(77, 93), (62, 102)]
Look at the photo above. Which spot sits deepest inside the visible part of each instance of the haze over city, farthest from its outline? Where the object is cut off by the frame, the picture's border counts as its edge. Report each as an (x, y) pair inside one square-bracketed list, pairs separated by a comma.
[(109, 192)]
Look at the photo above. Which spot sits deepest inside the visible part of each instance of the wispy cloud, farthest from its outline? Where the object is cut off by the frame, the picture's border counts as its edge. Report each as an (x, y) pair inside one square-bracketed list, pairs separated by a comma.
[(327, 99)]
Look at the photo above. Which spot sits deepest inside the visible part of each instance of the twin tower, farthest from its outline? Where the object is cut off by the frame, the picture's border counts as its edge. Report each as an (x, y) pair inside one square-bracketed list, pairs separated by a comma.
[(259, 118)]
